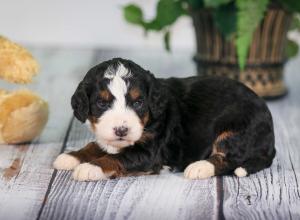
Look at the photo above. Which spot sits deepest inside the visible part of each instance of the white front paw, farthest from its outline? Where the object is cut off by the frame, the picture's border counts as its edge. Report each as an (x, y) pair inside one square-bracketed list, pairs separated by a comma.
[(88, 172), (66, 162), (199, 170)]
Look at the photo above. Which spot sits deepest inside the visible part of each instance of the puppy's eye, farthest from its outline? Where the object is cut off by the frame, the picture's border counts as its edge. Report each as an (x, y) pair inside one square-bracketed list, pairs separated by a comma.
[(138, 104), (103, 104)]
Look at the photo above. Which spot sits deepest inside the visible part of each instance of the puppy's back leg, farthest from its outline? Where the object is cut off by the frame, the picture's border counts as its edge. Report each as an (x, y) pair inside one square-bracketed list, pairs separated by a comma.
[(233, 152), (218, 162), (254, 165), (215, 165)]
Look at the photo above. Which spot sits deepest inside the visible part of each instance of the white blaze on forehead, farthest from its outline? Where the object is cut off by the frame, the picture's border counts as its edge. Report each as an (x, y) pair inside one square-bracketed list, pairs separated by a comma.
[(117, 85), (121, 71), (118, 89)]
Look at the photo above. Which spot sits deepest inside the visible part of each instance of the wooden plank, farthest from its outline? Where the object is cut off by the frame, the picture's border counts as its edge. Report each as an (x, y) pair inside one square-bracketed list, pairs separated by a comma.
[(167, 196), (273, 193), (25, 171)]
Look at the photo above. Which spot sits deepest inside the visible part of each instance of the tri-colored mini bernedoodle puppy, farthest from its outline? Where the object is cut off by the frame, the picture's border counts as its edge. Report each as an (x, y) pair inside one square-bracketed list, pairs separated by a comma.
[(202, 126)]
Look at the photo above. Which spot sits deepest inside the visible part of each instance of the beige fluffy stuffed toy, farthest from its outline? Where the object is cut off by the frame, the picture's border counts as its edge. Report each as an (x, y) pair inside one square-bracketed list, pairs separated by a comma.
[(23, 114)]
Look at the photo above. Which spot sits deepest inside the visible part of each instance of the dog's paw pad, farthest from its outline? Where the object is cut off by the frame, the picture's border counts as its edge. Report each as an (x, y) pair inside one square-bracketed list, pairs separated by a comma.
[(66, 162), (88, 172), (240, 172), (199, 170)]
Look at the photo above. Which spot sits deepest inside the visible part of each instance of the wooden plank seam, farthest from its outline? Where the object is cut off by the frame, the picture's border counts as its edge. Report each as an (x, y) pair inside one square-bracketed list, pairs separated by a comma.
[(64, 145)]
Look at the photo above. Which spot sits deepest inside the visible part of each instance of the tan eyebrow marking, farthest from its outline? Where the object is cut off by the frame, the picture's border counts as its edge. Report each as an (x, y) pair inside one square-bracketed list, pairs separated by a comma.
[(104, 94), (134, 93)]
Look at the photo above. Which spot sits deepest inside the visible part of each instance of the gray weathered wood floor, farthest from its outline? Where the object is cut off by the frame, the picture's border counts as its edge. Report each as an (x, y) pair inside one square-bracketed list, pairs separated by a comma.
[(31, 189)]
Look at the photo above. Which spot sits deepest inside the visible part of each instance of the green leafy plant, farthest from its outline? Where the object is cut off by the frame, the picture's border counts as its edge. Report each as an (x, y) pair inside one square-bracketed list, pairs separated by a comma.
[(234, 18)]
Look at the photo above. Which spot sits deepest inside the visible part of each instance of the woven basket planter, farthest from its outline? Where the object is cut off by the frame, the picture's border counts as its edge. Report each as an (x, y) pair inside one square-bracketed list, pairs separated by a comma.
[(264, 69)]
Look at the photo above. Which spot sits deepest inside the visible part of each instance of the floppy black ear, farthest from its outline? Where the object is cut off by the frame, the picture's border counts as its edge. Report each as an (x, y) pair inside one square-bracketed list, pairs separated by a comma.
[(80, 103), (158, 98)]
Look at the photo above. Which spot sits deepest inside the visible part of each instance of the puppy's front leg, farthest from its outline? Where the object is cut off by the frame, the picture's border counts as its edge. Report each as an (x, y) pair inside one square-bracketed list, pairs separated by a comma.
[(68, 161), (102, 168), (128, 162)]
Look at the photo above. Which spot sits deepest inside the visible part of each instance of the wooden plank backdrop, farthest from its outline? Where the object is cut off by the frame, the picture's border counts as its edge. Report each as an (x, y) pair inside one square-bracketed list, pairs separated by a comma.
[(166, 196), (29, 185)]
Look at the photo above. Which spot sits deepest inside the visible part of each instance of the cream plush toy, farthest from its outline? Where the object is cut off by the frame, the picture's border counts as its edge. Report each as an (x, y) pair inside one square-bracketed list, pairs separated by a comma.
[(23, 114)]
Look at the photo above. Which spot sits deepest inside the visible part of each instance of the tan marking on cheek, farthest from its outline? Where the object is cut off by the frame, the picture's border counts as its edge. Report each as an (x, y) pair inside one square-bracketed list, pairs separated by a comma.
[(105, 95), (146, 136), (93, 120), (134, 93), (145, 119)]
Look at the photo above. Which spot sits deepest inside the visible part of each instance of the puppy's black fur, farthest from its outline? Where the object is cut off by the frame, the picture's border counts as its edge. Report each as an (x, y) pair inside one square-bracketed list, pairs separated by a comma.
[(190, 119)]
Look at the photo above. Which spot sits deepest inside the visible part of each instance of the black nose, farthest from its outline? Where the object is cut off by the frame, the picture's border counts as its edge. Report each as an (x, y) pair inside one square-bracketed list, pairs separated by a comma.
[(121, 131)]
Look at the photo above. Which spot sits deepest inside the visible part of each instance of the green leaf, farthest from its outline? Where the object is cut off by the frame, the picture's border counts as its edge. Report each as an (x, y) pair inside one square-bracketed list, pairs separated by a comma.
[(153, 25), (167, 12), (133, 14), (291, 5), (167, 40), (250, 13), (215, 3), (291, 49), (226, 18), (295, 24)]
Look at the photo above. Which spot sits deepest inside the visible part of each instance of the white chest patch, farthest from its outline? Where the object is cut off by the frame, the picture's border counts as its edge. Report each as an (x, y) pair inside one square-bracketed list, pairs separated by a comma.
[(108, 148)]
